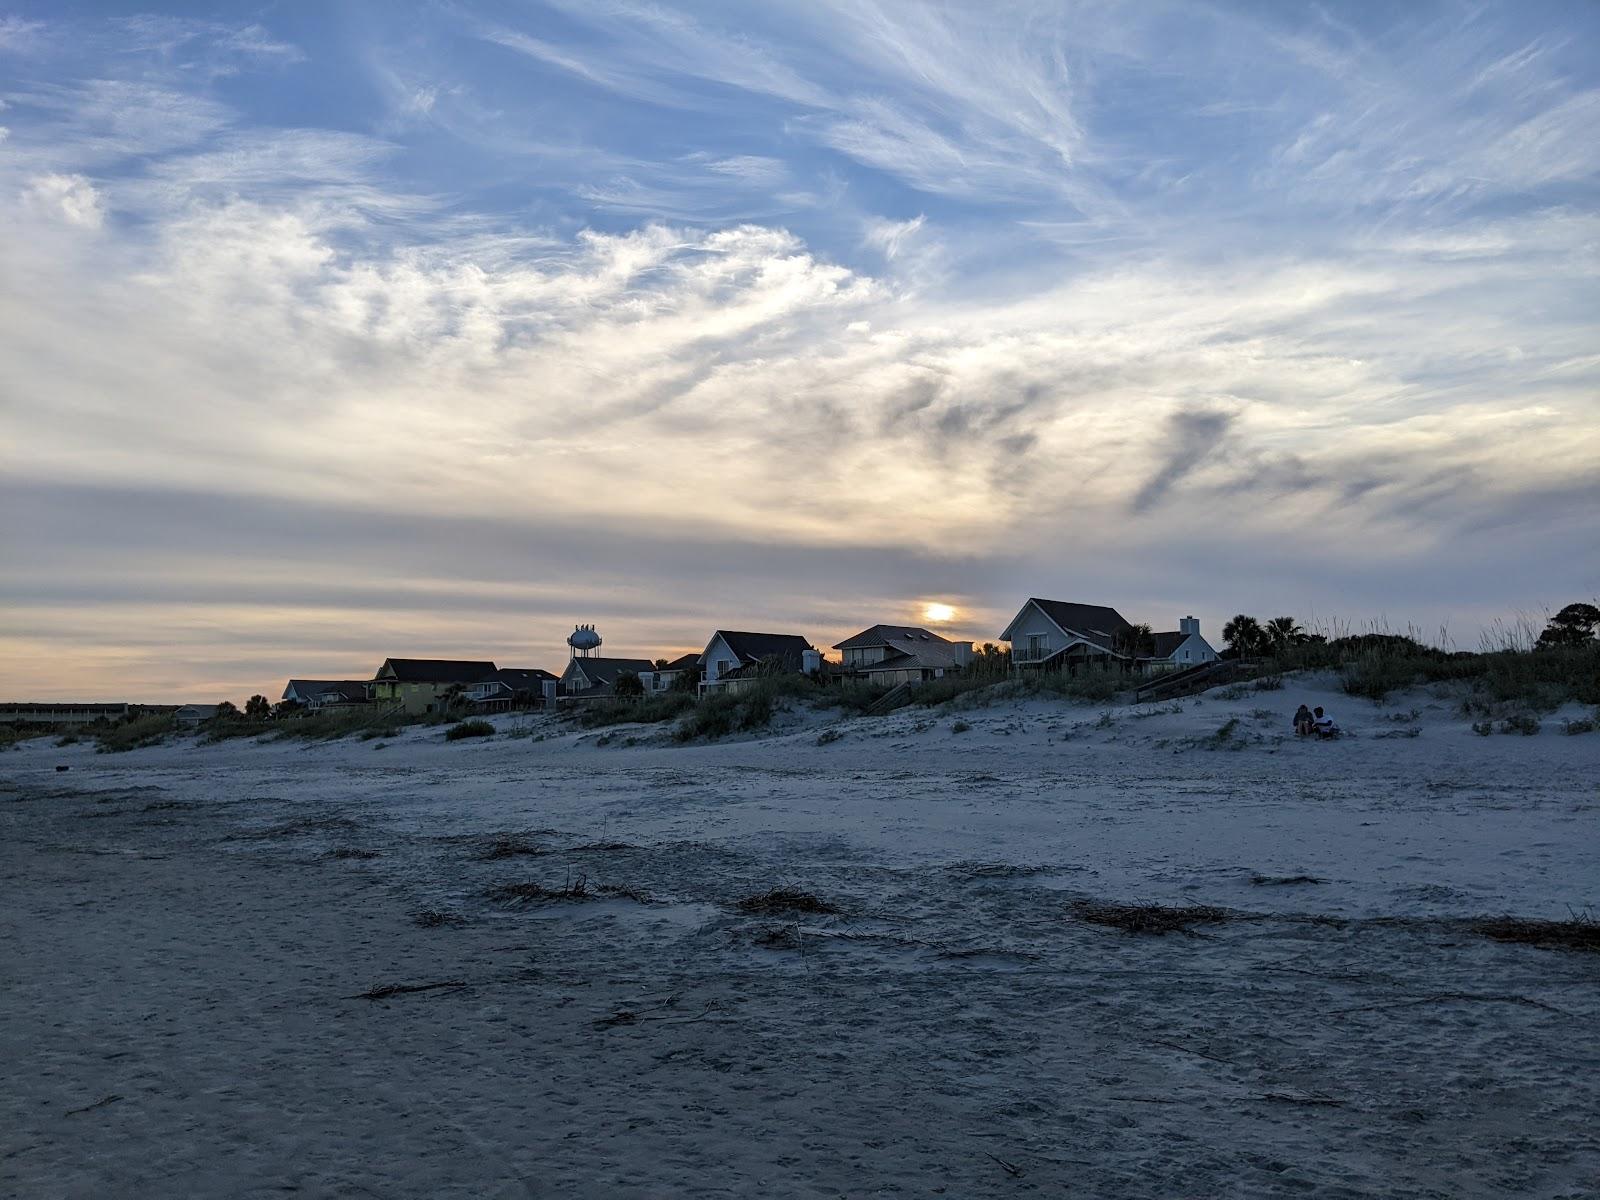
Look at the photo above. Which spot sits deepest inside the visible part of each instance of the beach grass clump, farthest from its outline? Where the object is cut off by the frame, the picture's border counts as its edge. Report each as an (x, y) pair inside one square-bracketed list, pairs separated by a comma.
[(1524, 723), (1149, 918), (135, 734), (469, 729), (648, 711), (1580, 932), (743, 710), (1581, 725), (786, 900), (510, 847)]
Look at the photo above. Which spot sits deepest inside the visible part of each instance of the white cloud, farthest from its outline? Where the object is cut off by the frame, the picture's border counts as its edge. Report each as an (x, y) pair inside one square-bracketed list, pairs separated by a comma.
[(70, 198)]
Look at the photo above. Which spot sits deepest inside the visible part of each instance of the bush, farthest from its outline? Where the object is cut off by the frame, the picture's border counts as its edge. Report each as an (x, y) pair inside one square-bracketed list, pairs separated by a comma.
[(960, 727), (468, 729), (645, 712), (1581, 725), (149, 730), (744, 711), (1483, 728), (1523, 723)]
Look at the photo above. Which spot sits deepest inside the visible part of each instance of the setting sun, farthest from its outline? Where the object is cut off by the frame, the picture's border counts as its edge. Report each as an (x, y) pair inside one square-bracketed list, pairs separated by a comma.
[(938, 613)]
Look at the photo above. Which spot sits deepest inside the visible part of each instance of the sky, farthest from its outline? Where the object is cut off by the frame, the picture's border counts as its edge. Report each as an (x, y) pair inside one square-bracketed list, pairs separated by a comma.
[(336, 332)]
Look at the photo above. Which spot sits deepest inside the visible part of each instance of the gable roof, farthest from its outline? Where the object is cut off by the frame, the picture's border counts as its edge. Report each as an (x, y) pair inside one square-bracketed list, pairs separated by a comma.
[(1095, 623), (895, 636), (518, 677), (1166, 644), (350, 690), (434, 670), (684, 662), (606, 670), (754, 647)]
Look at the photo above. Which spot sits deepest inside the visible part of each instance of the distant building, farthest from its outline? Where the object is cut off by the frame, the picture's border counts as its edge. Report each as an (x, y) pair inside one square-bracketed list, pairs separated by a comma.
[(1181, 648), (62, 712), (673, 675), (1060, 635), (314, 695), (512, 687), (188, 716), (896, 654), (425, 685), (734, 658), (595, 678)]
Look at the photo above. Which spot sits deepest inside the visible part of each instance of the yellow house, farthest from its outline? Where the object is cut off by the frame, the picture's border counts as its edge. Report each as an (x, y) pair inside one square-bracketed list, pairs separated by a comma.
[(424, 685)]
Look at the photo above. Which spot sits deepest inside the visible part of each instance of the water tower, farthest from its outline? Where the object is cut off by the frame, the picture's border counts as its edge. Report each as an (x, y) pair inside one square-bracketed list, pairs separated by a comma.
[(583, 640)]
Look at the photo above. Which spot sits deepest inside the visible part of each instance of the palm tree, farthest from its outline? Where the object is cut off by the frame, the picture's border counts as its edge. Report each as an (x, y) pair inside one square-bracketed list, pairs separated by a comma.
[(1244, 636), (1283, 632), (1136, 641)]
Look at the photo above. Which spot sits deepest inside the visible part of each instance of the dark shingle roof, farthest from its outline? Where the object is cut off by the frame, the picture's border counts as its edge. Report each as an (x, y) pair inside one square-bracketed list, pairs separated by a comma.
[(684, 662), (351, 690), (606, 670), (520, 677), (435, 670), (1095, 623), (754, 647), (1166, 643), (897, 636)]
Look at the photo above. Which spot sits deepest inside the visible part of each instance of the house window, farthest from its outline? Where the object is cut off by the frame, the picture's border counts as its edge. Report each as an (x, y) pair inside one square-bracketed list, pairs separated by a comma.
[(1038, 645), (1185, 659), (724, 666)]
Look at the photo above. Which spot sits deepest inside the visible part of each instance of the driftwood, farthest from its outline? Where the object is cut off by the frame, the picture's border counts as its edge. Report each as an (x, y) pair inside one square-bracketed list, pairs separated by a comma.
[(1010, 1169), (100, 1103), (402, 989)]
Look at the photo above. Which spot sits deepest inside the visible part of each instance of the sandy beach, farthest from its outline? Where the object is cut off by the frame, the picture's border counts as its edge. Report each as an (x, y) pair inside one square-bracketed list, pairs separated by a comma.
[(198, 942)]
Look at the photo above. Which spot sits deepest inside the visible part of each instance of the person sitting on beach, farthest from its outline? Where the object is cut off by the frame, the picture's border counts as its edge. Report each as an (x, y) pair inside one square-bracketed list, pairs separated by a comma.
[(1303, 721), (1323, 723)]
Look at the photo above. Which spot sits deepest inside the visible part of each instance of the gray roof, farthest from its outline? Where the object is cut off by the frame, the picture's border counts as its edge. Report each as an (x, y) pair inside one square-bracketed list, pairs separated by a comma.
[(434, 670), (1168, 643), (606, 670), (755, 647), (519, 677), (1093, 622), (351, 690), (910, 662), (684, 662), (896, 636)]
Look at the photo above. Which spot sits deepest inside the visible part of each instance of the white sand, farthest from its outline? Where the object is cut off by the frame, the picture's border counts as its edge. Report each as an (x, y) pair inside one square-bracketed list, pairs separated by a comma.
[(176, 934)]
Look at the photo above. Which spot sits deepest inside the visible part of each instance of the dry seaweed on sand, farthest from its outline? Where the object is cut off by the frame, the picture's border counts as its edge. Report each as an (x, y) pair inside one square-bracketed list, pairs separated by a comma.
[(510, 847), (432, 918), (1581, 932), (1149, 918), (786, 900), (1283, 880)]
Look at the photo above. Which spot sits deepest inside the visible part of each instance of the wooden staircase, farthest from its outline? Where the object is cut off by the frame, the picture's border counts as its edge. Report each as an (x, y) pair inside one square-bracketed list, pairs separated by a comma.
[(890, 700), (1190, 680)]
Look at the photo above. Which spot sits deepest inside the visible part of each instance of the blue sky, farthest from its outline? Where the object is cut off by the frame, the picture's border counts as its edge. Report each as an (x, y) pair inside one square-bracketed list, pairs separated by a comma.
[(340, 331)]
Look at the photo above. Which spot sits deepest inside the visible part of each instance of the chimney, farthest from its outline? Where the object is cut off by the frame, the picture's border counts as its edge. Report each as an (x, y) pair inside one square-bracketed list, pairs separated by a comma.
[(1188, 625), (963, 653)]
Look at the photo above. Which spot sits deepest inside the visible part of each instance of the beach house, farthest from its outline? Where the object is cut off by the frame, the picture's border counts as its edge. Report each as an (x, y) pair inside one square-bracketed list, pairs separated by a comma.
[(510, 688), (735, 658), (1181, 648), (425, 685), (1061, 635), (313, 695), (889, 655), (595, 678)]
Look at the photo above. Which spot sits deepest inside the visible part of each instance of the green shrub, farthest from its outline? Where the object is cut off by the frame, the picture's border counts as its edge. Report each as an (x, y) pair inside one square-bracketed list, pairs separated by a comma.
[(1483, 728), (960, 727), (644, 712), (469, 729), (1524, 723), (135, 734), (828, 736), (743, 711), (1581, 725)]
